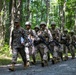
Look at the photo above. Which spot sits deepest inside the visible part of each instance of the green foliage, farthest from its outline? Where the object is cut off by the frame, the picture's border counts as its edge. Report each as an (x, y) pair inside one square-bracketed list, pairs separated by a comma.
[(70, 9), (38, 10), (5, 50), (4, 61)]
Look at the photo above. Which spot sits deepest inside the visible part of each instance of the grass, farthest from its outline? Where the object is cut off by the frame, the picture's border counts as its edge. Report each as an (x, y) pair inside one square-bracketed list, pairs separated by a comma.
[(5, 57), (4, 60), (7, 61)]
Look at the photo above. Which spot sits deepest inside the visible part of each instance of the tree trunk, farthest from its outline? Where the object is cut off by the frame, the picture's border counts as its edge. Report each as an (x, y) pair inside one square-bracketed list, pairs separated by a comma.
[(1, 25), (15, 11), (27, 10), (12, 11), (62, 7), (47, 11)]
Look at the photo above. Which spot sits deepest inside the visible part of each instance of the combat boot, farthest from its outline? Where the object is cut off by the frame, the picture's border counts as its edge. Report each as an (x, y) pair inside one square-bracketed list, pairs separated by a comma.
[(12, 68), (61, 56), (27, 64)]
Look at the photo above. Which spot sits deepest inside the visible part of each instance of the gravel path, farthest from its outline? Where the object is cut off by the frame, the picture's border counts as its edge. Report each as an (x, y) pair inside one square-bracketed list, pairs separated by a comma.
[(62, 68)]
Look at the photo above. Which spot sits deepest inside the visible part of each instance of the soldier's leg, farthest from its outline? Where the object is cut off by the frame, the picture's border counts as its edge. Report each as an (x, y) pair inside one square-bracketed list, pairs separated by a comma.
[(72, 50), (55, 55), (14, 59), (27, 56), (61, 52), (45, 56), (48, 53), (33, 55), (60, 55), (23, 55), (41, 51), (66, 53), (41, 54), (53, 58)]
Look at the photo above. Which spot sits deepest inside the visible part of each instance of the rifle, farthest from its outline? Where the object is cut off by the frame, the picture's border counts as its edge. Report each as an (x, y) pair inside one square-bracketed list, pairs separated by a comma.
[(67, 45), (56, 43), (30, 42), (46, 43), (37, 42)]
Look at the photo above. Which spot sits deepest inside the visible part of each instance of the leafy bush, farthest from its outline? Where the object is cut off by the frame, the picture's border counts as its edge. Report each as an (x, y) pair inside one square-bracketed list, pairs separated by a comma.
[(4, 51)]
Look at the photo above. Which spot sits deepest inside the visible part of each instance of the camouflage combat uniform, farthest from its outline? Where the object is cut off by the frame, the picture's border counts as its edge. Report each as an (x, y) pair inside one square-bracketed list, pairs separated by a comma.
[(46, 34), (72, 43), (55, 44), (30, 48), (17, 45), (36, 42), (65, 40)]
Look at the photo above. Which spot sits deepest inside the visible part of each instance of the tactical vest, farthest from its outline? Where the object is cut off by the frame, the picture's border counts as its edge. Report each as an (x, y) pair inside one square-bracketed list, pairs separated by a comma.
[(55, 33), (45, 33), (29, 32)]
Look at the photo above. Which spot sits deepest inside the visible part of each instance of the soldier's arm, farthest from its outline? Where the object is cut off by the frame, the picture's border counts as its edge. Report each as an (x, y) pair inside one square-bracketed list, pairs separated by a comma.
[(50, 35), (58, 35), (74, 38), (34, 33), (25, 35)]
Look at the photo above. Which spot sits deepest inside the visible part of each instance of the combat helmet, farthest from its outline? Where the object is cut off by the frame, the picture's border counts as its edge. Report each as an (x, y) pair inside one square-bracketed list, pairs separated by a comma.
[(53, 23), (37, 26), (43, 23), (27, 23)]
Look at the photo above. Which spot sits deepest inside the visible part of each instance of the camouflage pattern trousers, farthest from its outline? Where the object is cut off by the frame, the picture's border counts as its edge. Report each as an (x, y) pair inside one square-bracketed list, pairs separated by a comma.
[(30, 51), (72, 51), (15, 52), (43, 52), (65, 50)]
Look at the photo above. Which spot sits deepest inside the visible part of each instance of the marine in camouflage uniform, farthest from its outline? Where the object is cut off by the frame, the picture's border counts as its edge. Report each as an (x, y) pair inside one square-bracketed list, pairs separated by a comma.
[(16, 44), (55, 46), (46, 34), (36, 42), (30, 48), (72, 43), (61, 45), (65, 40)]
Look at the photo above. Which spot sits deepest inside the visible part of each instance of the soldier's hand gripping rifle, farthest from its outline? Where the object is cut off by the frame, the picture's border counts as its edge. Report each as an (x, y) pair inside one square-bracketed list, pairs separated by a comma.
[(30, 42), (56, 43)]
